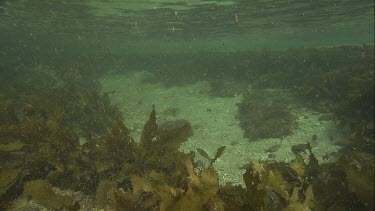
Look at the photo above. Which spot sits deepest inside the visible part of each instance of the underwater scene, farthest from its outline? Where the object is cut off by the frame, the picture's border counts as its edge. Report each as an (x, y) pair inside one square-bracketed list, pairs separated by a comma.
[(187, 105)]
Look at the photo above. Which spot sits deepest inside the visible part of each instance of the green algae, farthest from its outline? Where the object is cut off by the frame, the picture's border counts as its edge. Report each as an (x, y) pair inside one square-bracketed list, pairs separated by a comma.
[(41, 192)]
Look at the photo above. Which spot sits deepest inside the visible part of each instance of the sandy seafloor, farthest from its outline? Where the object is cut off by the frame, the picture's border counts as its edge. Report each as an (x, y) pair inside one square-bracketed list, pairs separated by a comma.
[(214, 122)]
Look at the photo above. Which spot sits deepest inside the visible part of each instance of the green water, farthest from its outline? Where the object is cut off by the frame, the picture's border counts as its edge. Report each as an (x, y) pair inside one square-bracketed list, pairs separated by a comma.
[(281, 90), (186, 26)]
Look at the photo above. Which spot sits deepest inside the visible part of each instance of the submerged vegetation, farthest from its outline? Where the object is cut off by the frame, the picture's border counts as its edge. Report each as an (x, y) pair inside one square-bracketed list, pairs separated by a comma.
[(336, 79), (44, 158), (61, 135), (265, 114)]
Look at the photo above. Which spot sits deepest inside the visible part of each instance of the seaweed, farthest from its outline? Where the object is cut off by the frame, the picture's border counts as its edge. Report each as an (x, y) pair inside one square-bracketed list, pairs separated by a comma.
[(8, 178), (300, 186), (265, 114), (149, 130), (42, 193), (359, 169), (200, 193), (154, 175), (157, 163), (219, 153), (43, 157), (203, 153)]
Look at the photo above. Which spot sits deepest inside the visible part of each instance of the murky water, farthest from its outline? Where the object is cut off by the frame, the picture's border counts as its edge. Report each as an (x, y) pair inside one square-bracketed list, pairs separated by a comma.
[(157, 104), (170, 26)]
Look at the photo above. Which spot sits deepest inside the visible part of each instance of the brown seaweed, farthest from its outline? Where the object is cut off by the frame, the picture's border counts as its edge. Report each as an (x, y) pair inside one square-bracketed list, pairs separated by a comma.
[(42, 156), (219, 153), (203, 153), (266, 114)]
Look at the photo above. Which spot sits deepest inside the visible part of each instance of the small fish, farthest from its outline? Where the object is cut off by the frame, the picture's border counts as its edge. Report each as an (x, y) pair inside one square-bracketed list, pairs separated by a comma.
[(297, 148), (233, 143), (274, 148), (314, 137), (271, 156)]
